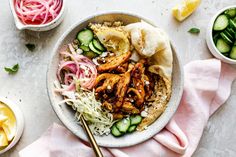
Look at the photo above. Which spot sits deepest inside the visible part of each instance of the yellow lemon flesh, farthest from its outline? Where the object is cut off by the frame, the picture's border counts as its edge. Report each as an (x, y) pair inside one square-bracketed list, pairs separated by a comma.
[(3, 139), (186, 8), (7, 121)]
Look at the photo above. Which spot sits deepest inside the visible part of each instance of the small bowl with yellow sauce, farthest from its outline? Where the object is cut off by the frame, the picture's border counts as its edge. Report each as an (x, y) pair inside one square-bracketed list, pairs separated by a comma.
[(11, 124)]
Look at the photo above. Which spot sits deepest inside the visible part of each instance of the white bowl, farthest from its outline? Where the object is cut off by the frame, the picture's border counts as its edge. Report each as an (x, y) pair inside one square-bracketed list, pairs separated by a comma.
[(43, 27), (19, 122), (66, 114), (209, 38)]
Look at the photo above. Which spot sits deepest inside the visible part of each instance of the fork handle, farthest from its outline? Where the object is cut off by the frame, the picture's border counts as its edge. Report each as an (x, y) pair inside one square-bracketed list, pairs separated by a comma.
[(91, 138)]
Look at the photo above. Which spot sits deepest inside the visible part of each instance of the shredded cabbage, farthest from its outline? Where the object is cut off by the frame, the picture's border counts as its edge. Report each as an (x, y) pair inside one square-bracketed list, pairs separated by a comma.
[(85, 103)]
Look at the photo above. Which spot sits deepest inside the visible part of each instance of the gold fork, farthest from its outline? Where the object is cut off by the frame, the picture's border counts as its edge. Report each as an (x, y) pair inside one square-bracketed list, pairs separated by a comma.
[(91, 138)]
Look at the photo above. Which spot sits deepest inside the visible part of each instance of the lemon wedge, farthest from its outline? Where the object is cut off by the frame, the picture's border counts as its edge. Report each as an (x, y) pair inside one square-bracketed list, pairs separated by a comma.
[(186, 8), (9, 124), (3, 139), (2, 119)]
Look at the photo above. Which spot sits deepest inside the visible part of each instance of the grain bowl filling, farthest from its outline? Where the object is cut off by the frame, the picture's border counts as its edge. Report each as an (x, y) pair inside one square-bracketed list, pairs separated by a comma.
[(117, 76)]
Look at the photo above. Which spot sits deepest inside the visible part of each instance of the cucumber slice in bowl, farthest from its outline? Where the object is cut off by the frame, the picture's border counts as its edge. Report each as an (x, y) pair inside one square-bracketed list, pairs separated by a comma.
[(232, 54), (85, 37), (84, 48), (221, 23), (229, 35), (135, 120), (132, 128), (216, 37), (123, 125), (90, 54), (94, 49), (226, 38), (231, 12), (98, 45), (222, 46), (115, 132), (232, 24)]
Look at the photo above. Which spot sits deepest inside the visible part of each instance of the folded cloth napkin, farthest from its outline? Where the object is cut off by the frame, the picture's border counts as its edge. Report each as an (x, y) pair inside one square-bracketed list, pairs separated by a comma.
[(207, 85)]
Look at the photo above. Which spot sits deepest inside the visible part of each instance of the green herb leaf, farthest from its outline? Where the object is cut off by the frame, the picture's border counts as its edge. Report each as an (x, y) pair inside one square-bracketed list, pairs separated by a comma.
[(30, 46), (12, 70), (194, 30)]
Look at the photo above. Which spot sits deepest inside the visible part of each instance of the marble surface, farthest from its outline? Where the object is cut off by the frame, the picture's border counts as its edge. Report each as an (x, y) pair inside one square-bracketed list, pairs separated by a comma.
[(28, 87)]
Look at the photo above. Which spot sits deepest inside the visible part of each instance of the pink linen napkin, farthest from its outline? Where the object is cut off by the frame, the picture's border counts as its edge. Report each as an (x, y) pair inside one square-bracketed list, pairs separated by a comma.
[(207, 86)]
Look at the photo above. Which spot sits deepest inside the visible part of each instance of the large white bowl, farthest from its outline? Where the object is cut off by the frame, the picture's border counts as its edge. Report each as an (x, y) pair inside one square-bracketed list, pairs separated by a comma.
[(66, 114), (209, 38)]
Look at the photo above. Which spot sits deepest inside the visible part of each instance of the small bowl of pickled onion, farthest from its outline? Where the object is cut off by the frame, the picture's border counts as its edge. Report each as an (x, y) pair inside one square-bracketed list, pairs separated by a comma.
[(37, 15)]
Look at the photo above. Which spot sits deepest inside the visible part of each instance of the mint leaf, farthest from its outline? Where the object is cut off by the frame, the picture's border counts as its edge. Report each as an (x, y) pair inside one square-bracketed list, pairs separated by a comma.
[(194, 30), (12, 70)]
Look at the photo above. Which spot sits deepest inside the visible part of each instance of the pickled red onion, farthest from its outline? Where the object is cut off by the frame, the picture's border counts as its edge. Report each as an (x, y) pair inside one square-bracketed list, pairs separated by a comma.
[(37, 12), (79, 67)]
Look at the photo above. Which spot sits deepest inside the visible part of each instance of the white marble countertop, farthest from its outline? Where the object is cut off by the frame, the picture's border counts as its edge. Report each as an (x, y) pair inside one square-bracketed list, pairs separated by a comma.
[(28, 87)]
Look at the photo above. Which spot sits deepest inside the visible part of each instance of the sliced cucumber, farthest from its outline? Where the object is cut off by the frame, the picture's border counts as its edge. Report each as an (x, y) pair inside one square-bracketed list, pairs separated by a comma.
[(225, 37), (115, 132), (84, 48), (222, 46), (90, 54), (132, 128), (232, 54), (232, 24), (134, 120), (85, 37), (94, 49), (231, 37), (231, 12), (98, 45), (231, 31), (123, 125), (221, 23), (216, 37)]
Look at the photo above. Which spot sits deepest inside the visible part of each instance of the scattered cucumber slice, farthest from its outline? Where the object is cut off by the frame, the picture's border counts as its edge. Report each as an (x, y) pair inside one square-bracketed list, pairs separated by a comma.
[(225, 37), (90, 54), (85, 37), (232, 54), (221, 23), (94, 49), (84, 48), (231, 12), (232, 24), (132, 128), (123, 125), (222, 46), (115, 132), (98, 45), (134, 120)]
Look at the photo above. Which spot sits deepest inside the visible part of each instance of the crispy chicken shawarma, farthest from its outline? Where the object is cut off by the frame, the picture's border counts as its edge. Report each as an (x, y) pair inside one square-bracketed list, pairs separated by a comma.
[(140, 84)]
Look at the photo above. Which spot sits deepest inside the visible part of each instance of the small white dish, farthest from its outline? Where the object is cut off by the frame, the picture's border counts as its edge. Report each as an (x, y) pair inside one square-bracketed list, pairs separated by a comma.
[(43, 27), (19, 123), (209, 38)]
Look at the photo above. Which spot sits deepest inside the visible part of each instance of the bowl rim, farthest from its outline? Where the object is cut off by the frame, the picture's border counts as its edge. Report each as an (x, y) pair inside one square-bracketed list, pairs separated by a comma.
[(59, 42), (210, 33), (19, 122), (28, 26)]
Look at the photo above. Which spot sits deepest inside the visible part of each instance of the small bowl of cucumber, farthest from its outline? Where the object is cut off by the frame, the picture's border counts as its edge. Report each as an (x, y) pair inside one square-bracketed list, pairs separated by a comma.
[(221, 35)]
